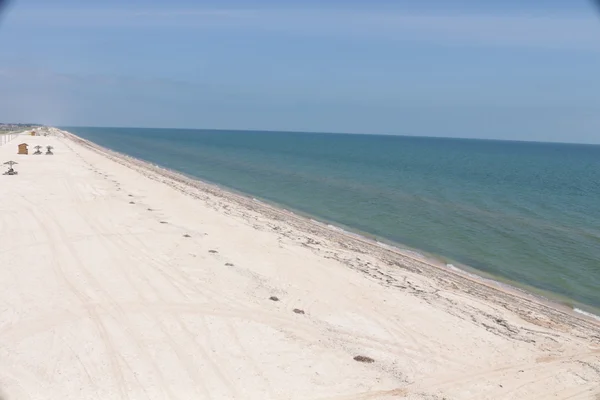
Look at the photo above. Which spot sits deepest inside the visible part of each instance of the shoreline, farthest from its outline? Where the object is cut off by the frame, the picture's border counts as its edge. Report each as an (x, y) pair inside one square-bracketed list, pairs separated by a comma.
[(557, 275), (463, 272)]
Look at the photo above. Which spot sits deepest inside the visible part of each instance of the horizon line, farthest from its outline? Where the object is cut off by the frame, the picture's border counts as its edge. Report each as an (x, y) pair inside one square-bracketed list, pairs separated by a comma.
[(403, 135)]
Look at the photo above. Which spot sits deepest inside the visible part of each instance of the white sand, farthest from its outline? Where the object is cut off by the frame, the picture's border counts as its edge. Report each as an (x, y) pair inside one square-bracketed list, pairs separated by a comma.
[(104, 298)]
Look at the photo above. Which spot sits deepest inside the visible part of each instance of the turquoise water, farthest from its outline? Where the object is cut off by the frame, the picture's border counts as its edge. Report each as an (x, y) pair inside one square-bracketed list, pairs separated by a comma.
[(526, 212)]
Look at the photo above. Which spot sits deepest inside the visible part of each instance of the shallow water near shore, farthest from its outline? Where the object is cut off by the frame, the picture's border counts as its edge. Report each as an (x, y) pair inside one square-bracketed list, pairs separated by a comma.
[(524, 213)]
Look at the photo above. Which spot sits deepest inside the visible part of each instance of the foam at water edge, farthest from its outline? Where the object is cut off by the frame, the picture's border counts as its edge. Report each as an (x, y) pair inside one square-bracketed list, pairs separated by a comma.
[(411, 253), (385, 246), (345, 232), (587, 314), (491, 281), (452, 267)]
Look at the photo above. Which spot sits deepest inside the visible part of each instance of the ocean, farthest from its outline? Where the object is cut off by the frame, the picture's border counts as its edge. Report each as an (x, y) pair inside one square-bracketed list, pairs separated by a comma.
[(523, 213)]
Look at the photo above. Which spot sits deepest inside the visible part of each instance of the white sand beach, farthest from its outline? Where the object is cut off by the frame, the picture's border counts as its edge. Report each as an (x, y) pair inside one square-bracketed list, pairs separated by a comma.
[(126, 281)]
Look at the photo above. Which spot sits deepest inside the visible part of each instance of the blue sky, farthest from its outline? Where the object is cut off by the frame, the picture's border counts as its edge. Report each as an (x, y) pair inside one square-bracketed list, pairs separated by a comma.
[(524, 70)]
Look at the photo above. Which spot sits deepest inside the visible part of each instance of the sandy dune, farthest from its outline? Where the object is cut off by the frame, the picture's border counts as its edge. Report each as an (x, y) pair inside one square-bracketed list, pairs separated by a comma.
[(122, 281)]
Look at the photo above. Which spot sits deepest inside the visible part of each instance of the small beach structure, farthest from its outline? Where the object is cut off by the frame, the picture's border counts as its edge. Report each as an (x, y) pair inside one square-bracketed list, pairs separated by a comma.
[(11, 170), (23, 149), (38, 150), (49, 150)]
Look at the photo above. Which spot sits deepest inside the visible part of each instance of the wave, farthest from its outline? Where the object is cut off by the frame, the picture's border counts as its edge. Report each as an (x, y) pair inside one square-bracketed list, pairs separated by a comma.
[(587, 314), (453, 268)]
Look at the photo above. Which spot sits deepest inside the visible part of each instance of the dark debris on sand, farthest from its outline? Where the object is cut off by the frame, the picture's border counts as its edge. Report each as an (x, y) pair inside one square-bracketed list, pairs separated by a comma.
[(364, 359), (274, 298), (298, 311)]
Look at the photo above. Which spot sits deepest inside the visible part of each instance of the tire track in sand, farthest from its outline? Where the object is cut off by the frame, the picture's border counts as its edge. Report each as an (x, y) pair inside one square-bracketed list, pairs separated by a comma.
[(59, 251), (123, 323)]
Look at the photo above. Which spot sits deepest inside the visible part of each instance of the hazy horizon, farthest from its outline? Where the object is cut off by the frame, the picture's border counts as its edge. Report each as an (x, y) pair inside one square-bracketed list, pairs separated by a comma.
[(66, 127)]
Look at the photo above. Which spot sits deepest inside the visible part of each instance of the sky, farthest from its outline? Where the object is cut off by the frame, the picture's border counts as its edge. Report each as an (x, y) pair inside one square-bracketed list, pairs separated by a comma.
[(512, 69)]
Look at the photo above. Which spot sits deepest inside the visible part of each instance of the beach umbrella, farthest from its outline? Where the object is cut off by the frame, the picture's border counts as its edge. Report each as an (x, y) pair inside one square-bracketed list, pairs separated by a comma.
[(10, 164)]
